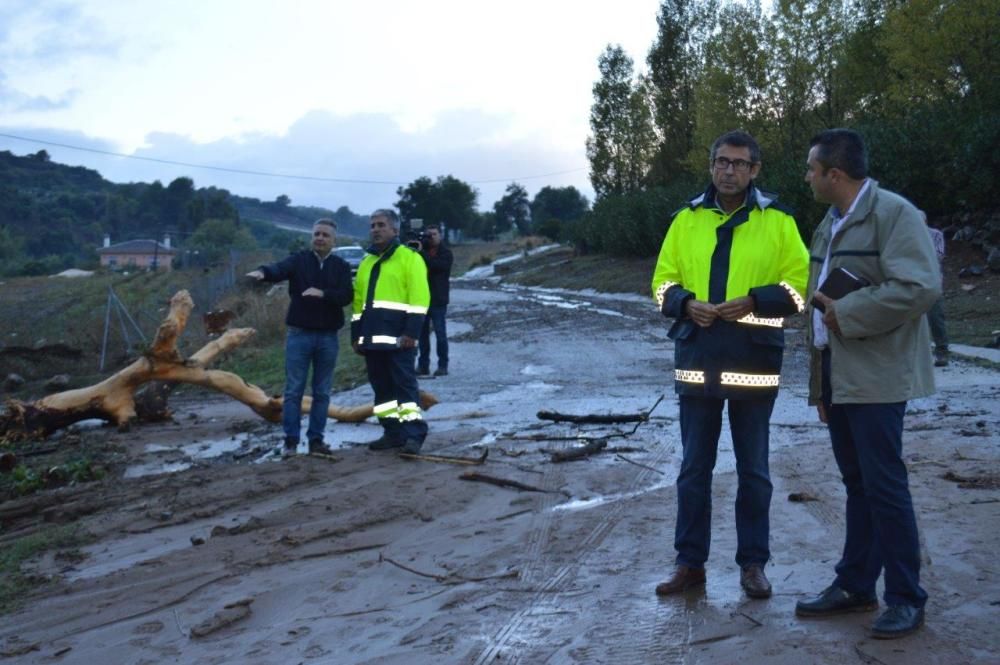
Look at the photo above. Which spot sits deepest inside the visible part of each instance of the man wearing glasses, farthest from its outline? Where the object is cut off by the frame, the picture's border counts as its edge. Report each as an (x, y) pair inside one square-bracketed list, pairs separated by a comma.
[(731, 267)]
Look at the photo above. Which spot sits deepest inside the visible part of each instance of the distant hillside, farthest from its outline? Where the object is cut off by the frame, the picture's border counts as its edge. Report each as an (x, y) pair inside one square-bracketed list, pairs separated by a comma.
[(278, 212), (54, 216)]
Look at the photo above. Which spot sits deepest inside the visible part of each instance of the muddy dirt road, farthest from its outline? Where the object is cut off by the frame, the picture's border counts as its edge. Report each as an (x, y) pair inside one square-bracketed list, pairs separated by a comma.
[(373, 559)]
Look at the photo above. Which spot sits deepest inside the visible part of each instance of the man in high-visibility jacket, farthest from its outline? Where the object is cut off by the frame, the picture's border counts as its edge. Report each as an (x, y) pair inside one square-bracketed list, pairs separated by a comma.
[(391, 297), (732, 266)]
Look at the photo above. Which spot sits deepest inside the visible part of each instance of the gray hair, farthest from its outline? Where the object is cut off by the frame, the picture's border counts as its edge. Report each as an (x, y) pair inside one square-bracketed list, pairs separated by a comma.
[(326, 221), (389, 214)]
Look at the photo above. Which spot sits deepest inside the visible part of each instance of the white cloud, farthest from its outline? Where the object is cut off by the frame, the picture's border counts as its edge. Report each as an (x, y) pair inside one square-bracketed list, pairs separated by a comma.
[(330, 88)]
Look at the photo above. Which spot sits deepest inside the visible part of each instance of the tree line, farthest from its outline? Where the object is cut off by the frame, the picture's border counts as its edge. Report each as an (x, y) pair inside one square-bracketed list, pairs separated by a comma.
[(918, 79), (54, 216), (552, 212)]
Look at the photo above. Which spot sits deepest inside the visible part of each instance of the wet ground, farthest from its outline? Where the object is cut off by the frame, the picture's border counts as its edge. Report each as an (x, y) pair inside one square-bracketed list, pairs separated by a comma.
[(374, 559)]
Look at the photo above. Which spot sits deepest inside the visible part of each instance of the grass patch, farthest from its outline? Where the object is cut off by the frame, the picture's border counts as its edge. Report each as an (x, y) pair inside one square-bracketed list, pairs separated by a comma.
[(601, 273), (14, 582), (23, 480)]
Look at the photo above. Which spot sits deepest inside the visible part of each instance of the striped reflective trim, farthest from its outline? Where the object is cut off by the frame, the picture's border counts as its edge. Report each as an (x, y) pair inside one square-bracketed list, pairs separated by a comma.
[(661, 292), (409, 411), (356, 317), (752, 320), (383, 339), (386, 409), (689, 376), (750, 380), (399, 307), (800, 303)]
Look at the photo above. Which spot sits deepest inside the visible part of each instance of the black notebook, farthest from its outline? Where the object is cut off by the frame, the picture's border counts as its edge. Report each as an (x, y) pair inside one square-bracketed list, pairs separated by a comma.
[(838, 284)]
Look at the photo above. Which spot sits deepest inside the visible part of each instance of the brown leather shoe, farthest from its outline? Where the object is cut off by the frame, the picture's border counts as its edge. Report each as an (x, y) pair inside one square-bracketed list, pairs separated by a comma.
[(682, 579), (754, 581)]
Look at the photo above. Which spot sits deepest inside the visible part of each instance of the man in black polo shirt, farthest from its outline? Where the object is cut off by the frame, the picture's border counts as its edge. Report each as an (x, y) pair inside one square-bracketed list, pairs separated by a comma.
[(319, 284), (438, 259)]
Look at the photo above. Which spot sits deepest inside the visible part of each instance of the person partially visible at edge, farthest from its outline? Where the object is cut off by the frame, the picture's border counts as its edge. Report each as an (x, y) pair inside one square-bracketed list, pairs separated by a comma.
[(935, 316), (319, 285), (438, 259), (391, 297), (870, 353), (731, 267)]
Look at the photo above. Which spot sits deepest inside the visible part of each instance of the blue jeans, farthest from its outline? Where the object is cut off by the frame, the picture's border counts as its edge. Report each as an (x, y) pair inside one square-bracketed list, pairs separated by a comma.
[(435, 316), (302, 349), (701, 424)]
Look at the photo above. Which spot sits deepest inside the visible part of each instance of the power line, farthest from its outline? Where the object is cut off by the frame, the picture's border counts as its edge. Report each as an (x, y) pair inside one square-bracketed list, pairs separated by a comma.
[(265, 173)]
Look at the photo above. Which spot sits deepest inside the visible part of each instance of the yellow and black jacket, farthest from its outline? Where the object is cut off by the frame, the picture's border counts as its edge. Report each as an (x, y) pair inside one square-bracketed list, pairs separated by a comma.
[(390, 297), (715, 257)]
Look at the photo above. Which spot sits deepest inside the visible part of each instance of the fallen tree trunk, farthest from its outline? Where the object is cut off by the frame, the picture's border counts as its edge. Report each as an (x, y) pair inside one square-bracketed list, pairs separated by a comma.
[(114, 399), (593, 418)]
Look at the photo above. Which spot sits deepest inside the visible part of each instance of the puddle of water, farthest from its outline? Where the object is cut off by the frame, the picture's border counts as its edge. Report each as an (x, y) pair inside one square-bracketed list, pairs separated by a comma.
[(200, 450), (600, 500), (215, 447), (155, 468)]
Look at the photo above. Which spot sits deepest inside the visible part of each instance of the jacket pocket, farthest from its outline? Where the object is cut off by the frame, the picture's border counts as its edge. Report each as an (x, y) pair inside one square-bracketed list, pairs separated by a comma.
[(768, 336), (682, 330)]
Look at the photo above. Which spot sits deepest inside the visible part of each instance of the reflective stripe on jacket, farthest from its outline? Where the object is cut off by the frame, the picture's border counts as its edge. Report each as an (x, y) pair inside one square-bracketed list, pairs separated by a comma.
[(714, 257), (390, 297)]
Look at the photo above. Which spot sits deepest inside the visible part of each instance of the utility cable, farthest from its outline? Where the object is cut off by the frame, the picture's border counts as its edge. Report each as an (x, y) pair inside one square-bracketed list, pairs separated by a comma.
[(267, 174)]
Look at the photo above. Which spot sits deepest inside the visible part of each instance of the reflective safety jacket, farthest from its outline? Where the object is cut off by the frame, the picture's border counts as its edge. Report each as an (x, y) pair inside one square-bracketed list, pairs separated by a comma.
[(390, 297), (714, 257)]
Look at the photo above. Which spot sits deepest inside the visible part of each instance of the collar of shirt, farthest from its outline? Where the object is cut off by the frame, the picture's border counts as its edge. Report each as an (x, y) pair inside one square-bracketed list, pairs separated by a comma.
[(821, 336)]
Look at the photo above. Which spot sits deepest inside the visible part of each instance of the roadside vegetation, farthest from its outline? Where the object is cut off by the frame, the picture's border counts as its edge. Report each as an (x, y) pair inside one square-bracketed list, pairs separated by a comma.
[(15, 582)]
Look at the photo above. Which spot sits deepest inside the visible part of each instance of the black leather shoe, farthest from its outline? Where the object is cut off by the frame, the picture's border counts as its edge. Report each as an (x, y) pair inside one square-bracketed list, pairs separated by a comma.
[(754, 581), (834, 600), (682, 579), (898, 621), (412, 446), (290, 447), (385, 443), (423, 371), (441, 371), (317, 446)]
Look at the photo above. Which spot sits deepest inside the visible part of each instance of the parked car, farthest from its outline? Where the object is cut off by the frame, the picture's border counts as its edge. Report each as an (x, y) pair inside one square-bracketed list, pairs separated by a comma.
[(352, 254)]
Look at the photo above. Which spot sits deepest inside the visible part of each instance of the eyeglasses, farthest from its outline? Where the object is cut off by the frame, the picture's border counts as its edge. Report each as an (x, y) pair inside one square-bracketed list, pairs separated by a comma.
[(739, 165)]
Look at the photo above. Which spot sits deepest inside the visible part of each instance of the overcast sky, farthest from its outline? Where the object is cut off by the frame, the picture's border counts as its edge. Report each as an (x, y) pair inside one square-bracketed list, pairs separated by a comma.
[(377, 91)]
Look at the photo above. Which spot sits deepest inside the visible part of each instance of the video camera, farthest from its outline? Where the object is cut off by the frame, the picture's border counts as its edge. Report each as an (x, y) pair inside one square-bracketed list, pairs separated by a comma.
[(415, 236)]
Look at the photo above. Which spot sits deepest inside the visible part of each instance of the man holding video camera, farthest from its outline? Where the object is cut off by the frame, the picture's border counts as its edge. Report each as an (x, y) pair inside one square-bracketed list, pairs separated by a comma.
[(439, 260)]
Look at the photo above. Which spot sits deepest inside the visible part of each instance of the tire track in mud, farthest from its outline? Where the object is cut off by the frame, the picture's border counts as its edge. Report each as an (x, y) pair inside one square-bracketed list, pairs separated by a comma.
[(637, 635)]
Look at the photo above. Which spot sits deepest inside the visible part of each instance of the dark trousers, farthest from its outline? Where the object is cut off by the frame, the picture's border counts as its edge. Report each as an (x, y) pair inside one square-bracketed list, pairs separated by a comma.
[(939, 331), (701, 424), (393, 379), (881, 526), (436, 316)]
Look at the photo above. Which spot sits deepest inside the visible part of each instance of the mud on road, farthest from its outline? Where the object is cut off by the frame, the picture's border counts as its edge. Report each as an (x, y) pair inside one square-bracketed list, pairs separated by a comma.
[(243, 558)]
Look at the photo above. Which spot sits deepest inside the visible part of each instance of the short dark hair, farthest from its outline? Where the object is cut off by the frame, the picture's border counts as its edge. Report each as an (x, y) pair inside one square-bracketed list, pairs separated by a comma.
[(432, 225), (738, 139), (842, 149), (327, 222)]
